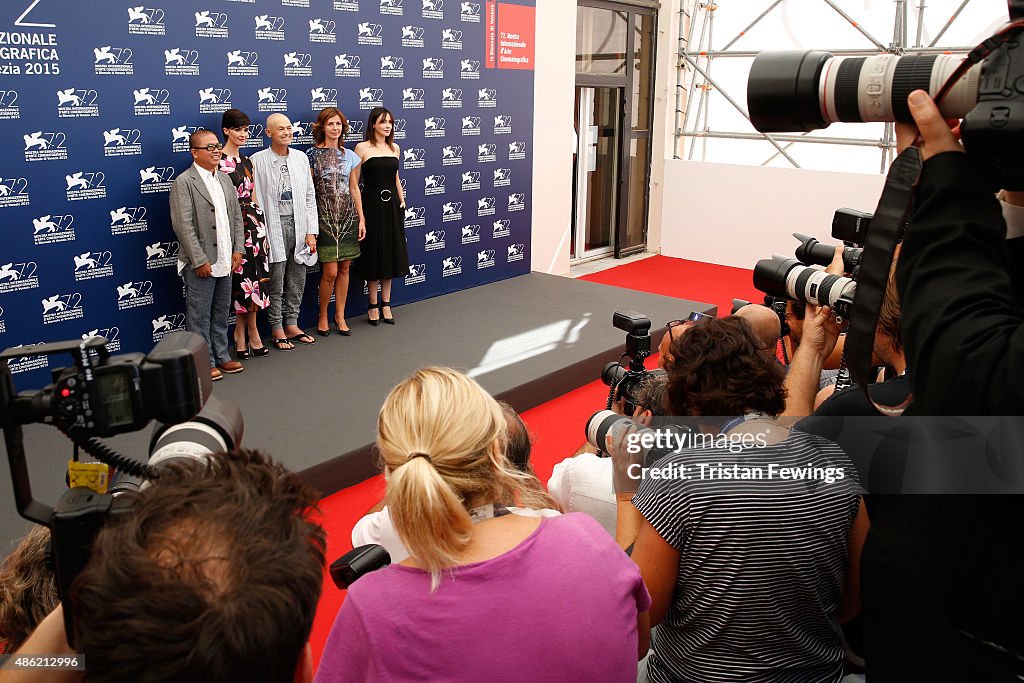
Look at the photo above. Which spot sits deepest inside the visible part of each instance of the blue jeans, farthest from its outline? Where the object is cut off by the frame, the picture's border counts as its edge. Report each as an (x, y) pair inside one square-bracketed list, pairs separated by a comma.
[(208, 300), (287, 282)]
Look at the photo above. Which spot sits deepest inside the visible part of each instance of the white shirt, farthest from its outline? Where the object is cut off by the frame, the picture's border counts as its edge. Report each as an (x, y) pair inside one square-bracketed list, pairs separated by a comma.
[(378, 528), (583, 483), (1014, 217), (222, 267)]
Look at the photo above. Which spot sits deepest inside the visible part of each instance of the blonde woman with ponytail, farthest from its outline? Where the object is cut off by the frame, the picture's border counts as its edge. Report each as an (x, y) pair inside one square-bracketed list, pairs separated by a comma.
[(484, 595)]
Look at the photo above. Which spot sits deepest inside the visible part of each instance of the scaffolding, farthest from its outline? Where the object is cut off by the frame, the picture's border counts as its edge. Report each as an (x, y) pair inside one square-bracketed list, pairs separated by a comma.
[(696, 56)]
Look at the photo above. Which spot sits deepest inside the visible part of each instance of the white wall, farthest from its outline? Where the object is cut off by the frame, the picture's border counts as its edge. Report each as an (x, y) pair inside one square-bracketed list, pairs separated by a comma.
[(733, 215), (554, 95)]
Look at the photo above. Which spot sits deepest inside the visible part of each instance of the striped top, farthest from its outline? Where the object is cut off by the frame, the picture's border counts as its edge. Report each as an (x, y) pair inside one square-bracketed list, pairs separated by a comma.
[(761, 561)]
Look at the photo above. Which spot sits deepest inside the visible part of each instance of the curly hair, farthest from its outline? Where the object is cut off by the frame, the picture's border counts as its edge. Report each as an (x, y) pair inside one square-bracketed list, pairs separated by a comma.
[(28, 589), (718, 369), (213, 575)]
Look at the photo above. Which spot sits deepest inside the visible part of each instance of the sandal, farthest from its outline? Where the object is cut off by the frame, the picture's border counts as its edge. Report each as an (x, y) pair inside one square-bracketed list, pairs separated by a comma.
[(370, 309), (282, 344), (258, 352), (302, 339), (243, 354)]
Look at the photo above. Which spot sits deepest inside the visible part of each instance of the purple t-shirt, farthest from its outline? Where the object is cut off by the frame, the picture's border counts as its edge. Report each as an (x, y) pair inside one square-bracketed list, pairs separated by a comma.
[(560, 606)]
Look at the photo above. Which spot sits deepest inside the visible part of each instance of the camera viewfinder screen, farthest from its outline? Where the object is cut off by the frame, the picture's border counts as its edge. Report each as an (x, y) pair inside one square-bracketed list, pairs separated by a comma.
[(115, 394)]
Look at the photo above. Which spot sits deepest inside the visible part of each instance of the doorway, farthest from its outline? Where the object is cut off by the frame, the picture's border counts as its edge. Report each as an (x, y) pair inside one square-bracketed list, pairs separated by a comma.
[(613, 118)]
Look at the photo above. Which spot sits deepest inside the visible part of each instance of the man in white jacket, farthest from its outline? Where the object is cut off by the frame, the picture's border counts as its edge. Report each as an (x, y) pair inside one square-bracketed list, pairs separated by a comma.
[(284, 188)]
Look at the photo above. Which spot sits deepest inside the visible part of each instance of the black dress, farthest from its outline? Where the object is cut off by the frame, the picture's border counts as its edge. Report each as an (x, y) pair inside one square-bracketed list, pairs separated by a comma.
[(384, 254)]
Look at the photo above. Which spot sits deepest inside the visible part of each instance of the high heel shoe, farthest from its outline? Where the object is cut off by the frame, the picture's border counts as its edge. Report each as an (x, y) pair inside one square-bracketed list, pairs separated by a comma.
[(370, 308), (391, 320), (257, 353), (343, 333), (243, 354)]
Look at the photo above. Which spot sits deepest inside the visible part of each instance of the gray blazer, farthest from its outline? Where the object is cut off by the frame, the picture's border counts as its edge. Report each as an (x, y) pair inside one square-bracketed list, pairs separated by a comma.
[(194, 218)]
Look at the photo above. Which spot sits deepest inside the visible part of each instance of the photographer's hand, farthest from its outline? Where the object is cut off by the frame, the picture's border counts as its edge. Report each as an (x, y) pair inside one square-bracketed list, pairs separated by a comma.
[(821, 332), (937, 135), (618, 443)]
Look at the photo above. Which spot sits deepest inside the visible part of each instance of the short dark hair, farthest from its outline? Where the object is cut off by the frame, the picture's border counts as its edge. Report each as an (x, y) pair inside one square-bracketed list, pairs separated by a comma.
[(234, 118), (799, 308), (889, 312), (519, 444), (28, 589), (213, 574), (198, 134), (718, 369)]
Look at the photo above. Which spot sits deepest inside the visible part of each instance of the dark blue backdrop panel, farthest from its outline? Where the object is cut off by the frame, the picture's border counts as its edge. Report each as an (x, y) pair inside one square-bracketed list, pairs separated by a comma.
[(96, 104)]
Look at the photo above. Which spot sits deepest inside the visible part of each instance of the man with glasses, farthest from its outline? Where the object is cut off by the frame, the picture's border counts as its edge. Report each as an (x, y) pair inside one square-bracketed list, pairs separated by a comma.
[(673, 330), (209, 230)]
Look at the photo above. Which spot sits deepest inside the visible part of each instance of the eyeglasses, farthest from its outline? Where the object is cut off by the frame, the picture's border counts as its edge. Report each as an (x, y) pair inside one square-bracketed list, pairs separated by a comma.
[(693, 318), (212, 147)]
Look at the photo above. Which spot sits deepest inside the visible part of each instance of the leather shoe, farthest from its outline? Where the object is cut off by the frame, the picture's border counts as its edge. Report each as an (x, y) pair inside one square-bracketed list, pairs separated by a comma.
[(215, 374), (231, 367)]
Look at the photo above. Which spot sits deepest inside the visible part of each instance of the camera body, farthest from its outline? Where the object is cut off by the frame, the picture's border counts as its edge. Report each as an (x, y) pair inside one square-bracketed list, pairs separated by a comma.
[(103, 395)]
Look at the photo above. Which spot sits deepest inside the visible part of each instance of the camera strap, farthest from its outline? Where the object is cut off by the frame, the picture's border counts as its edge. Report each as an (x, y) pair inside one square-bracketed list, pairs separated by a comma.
[(891, 215)]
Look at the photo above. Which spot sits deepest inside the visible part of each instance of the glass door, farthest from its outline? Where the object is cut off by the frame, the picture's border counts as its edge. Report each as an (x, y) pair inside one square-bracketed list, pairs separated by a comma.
[(598, 173), (614, 112)]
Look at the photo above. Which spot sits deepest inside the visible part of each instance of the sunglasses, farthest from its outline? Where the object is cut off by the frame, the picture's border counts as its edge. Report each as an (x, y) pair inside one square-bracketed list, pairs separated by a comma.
[(212, 147)]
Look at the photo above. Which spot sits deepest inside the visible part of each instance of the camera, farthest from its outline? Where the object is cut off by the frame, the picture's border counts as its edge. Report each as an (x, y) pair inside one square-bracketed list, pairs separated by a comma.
[(102, 396), (627, 382), (782, 277), (806, 91), (811, 252)]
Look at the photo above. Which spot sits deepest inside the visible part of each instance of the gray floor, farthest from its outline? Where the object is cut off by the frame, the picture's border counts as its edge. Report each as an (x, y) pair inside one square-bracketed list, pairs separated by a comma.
[(527, 340)]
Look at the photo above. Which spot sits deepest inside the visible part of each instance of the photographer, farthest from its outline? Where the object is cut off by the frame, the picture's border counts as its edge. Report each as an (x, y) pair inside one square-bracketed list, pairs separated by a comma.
[(964, 330), (583, 483), (213, 575), (748, 578)]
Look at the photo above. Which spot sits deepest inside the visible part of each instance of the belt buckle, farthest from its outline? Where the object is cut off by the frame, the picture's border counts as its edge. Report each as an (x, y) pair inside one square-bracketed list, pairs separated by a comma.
[(388, 197)]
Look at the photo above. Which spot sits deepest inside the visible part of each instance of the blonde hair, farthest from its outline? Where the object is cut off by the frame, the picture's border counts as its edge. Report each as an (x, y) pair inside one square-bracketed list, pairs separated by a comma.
[(442, 439)]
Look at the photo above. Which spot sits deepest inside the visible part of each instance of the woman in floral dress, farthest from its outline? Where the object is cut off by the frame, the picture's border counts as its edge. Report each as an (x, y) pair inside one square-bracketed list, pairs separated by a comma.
[(247, 295)]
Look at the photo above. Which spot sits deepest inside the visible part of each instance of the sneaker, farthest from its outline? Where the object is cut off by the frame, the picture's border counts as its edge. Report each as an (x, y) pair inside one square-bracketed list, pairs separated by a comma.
[(215, 374), (231, 367)]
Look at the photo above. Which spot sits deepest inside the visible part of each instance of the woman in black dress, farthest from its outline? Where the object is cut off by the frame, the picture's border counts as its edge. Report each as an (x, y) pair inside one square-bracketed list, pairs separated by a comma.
[(247, 295), (381, 209)]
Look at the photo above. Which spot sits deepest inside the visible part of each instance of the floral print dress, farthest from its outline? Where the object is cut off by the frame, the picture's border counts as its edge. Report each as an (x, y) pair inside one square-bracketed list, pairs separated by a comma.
[(246, 294)]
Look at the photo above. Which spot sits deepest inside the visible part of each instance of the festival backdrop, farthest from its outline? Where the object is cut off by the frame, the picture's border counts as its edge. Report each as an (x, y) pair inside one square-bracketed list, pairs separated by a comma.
[(97, 101)]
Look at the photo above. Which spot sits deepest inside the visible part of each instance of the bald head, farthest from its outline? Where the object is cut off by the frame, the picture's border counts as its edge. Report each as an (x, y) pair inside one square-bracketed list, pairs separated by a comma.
[(279, 130), (765, 323)]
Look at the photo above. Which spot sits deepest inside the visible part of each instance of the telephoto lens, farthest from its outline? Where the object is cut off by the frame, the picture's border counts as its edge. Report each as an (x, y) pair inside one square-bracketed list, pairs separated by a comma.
[(780, 276), (811, 252), (805, 91)]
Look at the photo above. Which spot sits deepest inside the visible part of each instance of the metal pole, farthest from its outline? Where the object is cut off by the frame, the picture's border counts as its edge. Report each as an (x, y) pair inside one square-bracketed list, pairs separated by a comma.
[(949, 23), (740, 109), (863, 52), (786, 137), (854, 24), (707, 104), (920, 24), (752, 24), (703, 86), (679, 85), (691, 95)]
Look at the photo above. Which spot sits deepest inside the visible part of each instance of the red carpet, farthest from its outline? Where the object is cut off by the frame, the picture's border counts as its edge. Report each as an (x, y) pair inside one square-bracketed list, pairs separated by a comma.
[(557, 426), (684, 279)]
